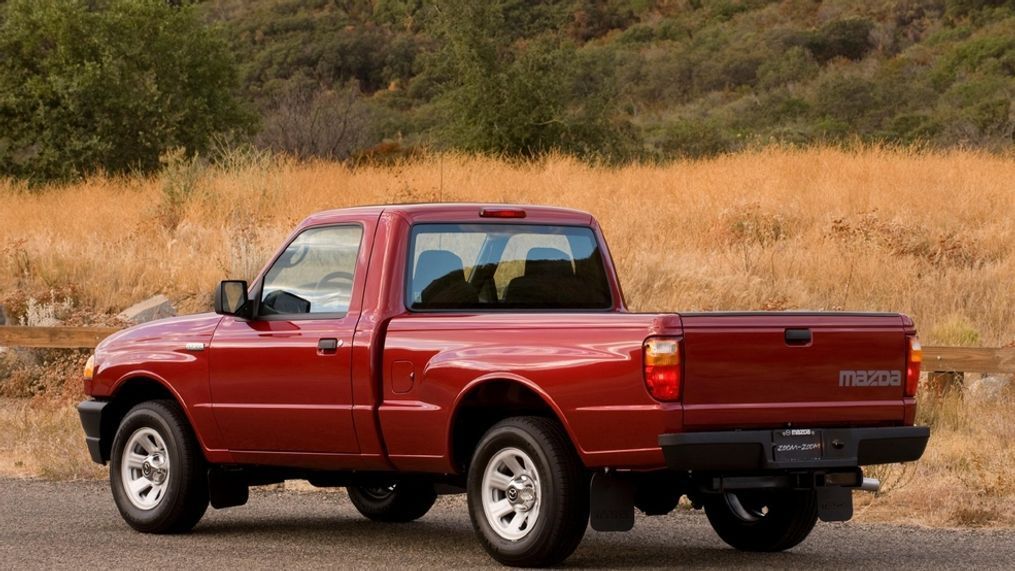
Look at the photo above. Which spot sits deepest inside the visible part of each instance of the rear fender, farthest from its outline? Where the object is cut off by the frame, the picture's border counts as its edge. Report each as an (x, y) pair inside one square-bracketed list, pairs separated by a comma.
[(479, 382)]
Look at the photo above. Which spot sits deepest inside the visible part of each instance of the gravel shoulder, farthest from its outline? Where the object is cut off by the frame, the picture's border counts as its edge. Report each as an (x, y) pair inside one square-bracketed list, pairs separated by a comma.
[(50, 524)]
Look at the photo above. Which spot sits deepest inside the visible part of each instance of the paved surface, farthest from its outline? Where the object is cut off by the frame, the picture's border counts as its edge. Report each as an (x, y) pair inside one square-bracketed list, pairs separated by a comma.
[(52, 525)]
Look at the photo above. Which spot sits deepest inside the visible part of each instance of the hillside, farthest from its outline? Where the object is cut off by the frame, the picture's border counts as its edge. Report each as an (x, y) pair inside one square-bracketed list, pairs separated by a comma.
[(623, 79)]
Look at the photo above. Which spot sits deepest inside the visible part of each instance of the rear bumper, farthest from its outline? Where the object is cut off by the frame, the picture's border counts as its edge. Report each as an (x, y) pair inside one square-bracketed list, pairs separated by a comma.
[(90, 412), (752, 450)]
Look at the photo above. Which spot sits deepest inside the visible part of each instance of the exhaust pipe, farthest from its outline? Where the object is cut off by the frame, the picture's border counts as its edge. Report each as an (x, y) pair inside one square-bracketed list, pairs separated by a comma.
[(870, 485)]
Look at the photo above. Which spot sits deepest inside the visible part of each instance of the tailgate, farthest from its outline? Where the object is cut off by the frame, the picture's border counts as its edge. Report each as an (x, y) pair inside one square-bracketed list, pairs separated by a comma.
[(758, 370)]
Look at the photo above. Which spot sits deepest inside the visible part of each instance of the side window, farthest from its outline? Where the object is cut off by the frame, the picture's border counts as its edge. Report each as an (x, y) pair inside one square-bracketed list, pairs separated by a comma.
[(315, 273)]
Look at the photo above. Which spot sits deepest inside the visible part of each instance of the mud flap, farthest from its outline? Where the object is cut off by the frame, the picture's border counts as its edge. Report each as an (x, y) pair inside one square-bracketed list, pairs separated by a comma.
[(611, 503), (835, 503), (227, 488)]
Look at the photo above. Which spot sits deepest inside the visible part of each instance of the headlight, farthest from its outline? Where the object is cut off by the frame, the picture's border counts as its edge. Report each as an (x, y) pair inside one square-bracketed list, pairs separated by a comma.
[(89, 368)]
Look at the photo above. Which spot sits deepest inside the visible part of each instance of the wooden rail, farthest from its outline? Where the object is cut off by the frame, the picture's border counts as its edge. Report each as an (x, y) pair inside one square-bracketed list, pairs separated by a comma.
[(54, 337), (969, 359), (935, 359)]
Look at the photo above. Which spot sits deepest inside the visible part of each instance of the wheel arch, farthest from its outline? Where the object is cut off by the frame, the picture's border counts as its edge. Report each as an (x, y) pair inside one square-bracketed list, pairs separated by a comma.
[(490, 399), (128, 392)]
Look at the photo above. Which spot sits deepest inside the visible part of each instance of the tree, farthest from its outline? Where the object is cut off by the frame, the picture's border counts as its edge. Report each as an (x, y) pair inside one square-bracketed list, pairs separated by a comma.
[(307, 122), (519, 95), (108, 84)]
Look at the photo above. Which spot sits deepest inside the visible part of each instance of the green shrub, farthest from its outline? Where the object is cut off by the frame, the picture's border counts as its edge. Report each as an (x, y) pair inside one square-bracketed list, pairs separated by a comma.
[(111, 85), (692, 139), (795, 65), (845, 98)]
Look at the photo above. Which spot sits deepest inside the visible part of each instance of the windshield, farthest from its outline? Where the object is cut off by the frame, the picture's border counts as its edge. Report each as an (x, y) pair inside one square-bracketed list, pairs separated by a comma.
[(505, 266)]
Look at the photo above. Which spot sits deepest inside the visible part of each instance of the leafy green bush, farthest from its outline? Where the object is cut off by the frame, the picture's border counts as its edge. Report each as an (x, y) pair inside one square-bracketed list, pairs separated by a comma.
[(108, 84), (692, 139), (796, 65), (848, 99)]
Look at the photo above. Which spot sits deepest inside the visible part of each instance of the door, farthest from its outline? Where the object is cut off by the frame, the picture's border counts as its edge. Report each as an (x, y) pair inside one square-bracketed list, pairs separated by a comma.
[(281, 381)]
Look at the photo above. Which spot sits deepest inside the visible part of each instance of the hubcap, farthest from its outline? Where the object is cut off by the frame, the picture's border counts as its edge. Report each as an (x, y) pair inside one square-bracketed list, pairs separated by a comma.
[(144, 469), (511, 494)]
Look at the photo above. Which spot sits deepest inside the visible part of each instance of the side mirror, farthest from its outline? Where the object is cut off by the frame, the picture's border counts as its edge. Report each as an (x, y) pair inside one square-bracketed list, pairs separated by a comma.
[(231, 299)]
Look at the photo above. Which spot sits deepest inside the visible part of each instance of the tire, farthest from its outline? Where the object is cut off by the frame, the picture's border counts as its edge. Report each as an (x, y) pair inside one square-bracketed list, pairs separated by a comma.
[(171, 467), (533, 457), (763, 520), (394, 502)]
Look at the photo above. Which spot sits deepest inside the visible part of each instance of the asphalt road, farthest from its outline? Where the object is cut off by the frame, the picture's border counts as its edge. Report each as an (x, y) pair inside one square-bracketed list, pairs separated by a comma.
[(52, 525)]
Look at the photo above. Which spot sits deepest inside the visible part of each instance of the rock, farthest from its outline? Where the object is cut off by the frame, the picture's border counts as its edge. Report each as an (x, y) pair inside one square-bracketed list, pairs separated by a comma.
[(150, 309), (988, 387)]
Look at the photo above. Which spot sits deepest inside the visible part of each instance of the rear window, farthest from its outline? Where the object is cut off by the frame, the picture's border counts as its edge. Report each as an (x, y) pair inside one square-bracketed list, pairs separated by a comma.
[(505, 266)]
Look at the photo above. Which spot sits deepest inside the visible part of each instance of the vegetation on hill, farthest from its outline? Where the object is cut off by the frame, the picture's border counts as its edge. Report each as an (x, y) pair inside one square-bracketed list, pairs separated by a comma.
[(623, 79), (111, 84)]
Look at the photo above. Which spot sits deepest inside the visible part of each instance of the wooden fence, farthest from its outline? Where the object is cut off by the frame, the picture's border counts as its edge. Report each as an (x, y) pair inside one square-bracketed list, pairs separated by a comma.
[(54, 337), (935, 359)]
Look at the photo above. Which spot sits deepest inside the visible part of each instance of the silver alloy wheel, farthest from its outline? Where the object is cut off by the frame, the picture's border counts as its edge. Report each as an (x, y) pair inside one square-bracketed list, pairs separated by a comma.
[(511, 494), (144, 468)]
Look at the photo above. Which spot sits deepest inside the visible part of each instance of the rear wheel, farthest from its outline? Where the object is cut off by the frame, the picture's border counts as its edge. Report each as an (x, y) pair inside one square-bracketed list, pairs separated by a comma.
[(763, 520), (397, 501), (528, 493), (157, 472)]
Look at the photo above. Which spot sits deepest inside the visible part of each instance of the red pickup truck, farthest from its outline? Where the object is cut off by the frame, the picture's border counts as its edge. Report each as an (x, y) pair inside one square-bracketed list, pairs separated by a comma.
[(407, 351)]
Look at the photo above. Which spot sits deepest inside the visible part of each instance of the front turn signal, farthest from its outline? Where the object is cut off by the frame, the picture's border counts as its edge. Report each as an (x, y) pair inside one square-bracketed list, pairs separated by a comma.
[(89, 368), (663, 371)]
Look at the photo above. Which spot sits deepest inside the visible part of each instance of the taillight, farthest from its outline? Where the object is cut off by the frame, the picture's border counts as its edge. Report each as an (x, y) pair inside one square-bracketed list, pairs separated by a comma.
[(914, 356), (662, 368)]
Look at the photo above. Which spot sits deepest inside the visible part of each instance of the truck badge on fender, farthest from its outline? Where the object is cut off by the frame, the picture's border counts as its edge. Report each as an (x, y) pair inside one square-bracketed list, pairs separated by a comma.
[(863, 378)]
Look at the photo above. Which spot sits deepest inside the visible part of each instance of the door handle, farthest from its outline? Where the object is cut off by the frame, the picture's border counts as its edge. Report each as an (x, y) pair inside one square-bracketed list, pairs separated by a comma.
[(798, 336), (328, 345)]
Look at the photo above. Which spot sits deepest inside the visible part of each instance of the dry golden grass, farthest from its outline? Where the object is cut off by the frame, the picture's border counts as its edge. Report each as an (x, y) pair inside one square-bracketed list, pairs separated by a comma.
[(928, 234), (967, 476), (42, 437)]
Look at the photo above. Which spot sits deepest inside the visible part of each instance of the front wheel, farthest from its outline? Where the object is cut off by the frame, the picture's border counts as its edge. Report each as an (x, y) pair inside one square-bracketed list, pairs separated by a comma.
[(528, 493), (397, 501), (157, 471), (763, 520)]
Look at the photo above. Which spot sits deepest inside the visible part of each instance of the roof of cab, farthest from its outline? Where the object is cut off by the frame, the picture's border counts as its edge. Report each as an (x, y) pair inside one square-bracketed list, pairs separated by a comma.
[(454, 212)]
